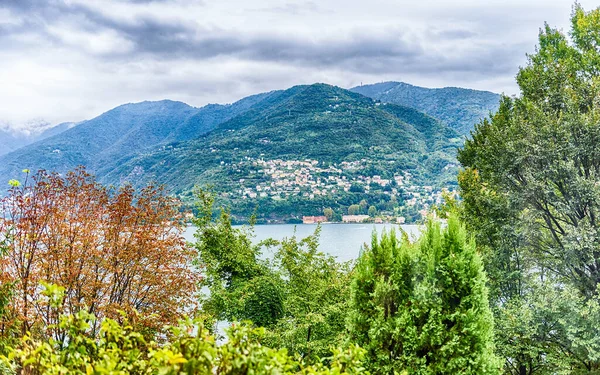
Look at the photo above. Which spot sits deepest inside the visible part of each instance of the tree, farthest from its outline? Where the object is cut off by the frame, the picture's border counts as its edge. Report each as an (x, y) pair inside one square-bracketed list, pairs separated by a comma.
[(540, 150), (316, 298), (110, 251), (372, 211), (357, 188), (328, 212), (363, 206), (530, 195), (300, 297), (423, 306), (353, 209), (241, 285)]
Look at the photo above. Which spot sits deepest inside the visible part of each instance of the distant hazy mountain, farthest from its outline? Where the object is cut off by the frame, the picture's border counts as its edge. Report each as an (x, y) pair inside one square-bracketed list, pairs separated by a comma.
[(12, 139), (458, 108), (168, 141), (130, 129)]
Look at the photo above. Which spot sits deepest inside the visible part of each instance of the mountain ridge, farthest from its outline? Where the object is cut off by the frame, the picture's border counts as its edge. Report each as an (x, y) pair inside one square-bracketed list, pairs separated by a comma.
[(459, 108), (12, 139), (336, 143), (311, 122)]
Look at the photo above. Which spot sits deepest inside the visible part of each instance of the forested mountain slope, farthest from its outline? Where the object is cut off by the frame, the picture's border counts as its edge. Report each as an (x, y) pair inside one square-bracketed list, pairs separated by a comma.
[(457, 107)]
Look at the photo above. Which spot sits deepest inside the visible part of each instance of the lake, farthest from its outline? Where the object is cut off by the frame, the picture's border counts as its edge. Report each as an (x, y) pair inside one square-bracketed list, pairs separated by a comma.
[(343, 241)]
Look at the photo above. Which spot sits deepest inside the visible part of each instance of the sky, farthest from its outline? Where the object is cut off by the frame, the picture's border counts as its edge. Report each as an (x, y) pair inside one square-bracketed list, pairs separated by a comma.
[(70, 60)]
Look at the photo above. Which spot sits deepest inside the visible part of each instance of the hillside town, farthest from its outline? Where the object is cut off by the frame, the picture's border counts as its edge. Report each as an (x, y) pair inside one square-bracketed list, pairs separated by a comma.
[(280, 179)]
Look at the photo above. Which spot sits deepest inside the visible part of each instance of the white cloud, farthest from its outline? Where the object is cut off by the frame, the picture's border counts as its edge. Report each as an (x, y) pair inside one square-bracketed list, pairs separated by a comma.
[(71, 60), (104, 42)]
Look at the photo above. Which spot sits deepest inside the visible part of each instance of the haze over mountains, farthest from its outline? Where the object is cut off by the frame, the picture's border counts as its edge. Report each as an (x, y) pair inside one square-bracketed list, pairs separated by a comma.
[(392, 130), (12, 139)]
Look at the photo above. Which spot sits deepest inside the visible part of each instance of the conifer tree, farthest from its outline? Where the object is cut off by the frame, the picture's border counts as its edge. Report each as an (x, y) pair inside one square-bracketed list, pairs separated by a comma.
[(423, 307)]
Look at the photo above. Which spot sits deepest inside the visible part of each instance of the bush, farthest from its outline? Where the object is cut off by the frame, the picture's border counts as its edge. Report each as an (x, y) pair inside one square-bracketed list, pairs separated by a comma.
[(423, 306), (191, 349)]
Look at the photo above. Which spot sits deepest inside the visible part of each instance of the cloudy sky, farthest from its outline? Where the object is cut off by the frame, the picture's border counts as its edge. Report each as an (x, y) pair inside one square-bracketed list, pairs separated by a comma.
[(69, 60)]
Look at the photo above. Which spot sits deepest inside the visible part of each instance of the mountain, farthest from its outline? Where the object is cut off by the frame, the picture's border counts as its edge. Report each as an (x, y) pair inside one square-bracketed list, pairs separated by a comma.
[(12, 139), (292, 152), (303, 149), (456, 107), (127, 130)]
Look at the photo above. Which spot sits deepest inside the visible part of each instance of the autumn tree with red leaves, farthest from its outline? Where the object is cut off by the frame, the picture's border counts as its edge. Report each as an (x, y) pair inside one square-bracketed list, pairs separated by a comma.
[(112, 251)]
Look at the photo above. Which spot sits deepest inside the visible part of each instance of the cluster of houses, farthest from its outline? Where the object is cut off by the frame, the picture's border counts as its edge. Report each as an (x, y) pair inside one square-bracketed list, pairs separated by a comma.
[(348, 219), (281, 178), (278, 179)]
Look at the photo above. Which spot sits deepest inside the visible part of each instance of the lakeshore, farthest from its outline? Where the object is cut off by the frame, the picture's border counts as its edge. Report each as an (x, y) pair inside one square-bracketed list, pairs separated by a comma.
[(344, 241)]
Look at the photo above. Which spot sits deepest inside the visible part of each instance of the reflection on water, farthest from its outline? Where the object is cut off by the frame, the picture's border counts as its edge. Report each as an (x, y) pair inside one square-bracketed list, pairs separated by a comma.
[(343, 241)]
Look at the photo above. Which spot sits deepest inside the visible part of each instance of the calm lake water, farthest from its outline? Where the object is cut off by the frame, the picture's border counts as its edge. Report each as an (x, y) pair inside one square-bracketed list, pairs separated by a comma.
[(343, 241)]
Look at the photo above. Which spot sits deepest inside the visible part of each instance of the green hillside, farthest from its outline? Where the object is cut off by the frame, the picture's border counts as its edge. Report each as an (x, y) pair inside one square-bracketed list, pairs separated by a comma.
[(346, 134), (456, 107)]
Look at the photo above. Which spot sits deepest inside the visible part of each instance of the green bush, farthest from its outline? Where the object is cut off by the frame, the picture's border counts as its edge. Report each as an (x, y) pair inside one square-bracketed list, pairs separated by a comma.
[(189, 349), (423, 307)]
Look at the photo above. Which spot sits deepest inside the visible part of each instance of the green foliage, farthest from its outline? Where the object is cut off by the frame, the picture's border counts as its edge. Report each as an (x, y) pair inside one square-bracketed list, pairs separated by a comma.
[(552, 330), (190, 349), (531, 196), (7, 326), (300, 297), (241, 285), (354, 209), (423, 306), (329, 214), (316, 298), (540, 151)]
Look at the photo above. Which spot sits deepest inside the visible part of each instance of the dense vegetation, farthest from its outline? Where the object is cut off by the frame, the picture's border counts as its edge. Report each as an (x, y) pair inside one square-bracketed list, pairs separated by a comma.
[(456, 107), (191, 349), (423, 306), (531, 197), (318, 122)]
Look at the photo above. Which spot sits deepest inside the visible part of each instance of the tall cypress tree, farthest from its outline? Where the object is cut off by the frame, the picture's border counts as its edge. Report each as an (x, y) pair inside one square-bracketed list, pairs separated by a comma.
[(423, 307)]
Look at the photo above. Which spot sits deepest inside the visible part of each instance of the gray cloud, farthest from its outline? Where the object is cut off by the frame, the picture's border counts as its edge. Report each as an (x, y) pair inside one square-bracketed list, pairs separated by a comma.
[(369, 52), (90, 54)]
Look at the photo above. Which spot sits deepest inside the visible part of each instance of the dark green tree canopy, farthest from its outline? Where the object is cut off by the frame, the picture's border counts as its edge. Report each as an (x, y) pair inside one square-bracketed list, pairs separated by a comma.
[(540, 152), (531, 196)]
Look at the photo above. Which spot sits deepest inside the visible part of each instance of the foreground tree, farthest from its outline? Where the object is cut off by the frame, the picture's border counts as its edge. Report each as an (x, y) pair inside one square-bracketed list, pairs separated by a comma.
[(423, 306), (316, 293), (110, 251), (540, 152), (300, 296), (531, 196)]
